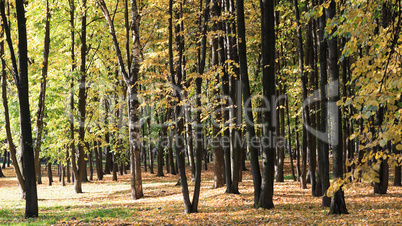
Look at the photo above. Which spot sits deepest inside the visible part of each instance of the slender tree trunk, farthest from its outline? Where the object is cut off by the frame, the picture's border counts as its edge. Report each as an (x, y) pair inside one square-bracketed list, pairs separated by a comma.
[(198, 127), (338, 205), (324, 148), (42, 94), (306, 117), (217, 148), (11, 145), (248, 114), (91, 167), (100, 161), (290, 139), (49, 172), (297, 141)]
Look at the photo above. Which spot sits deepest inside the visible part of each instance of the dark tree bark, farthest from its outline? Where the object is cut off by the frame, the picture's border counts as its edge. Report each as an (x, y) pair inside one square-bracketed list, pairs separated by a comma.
[(99, 161), (109, 161), (11, 145), (268, 84), (49, 172), (297, 144), (312, 145), (324, 148), (198, 127), (221, 51), (338, 205), (150, 149), (383, 172), (20, 75), (280, 128), (91, 167), (1, 171), (5, 153), (248, 114)]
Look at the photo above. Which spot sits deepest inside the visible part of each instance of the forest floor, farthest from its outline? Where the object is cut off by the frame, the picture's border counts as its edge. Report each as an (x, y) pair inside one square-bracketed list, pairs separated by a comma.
[(108, 202)]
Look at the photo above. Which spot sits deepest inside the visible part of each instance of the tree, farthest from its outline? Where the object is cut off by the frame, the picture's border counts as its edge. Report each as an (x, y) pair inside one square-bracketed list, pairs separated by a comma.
[(42, 94), (338, 205), (11, 145), (324, 149), (20, 74), (130, 77), (268, 84)]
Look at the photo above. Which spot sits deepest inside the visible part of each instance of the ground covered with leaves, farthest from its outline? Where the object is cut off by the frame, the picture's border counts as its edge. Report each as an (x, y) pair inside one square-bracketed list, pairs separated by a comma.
[(108, 202)]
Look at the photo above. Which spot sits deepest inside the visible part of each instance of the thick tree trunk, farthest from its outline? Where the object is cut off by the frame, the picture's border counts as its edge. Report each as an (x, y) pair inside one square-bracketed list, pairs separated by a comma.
[(268, 84), (11, 146), (20, 75), (81, 164), (135, 166)]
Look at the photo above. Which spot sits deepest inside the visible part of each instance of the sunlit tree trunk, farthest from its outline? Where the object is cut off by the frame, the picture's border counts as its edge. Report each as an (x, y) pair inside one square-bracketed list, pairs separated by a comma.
[(42, 94)]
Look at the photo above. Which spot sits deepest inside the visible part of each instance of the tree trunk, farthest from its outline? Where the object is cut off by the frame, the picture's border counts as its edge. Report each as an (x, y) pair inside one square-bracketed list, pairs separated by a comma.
[(248, 114), (323, 144), (42, 94), (1, 171), (268, 84), (115, 166), (290, 139), (91, 167), (198, 127), (11, 145), (338, 200), (151, 155), (82, 96), (217, 117), (235, 113), (49, 172), (306, 118), (4, 159), (130, 78), (20, 75)]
